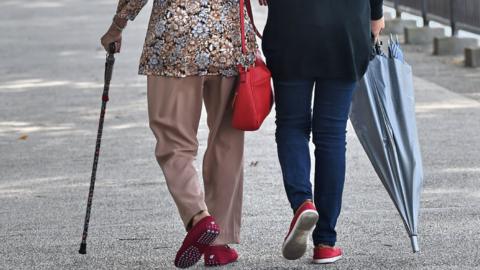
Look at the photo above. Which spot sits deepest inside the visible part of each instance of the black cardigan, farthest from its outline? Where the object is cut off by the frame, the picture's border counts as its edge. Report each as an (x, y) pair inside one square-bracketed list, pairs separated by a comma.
[(328, 39)]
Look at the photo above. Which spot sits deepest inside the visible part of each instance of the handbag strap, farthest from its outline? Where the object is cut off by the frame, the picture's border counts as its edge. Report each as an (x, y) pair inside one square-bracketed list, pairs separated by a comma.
[(246, 3)]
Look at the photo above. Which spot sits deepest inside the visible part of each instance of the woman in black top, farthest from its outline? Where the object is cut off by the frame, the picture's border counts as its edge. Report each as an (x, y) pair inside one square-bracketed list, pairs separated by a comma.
[(316, 48)]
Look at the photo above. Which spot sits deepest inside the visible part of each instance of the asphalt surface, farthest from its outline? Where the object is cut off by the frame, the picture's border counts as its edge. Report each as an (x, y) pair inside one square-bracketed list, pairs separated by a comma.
[(51, 77)]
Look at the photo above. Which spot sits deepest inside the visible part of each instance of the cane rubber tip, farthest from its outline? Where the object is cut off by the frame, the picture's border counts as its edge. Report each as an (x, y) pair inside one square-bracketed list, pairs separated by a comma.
[(83, 248)]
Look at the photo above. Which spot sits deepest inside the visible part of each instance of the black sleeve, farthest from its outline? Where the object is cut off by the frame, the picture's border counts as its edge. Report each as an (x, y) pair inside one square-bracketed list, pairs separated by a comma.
[(376, 7)]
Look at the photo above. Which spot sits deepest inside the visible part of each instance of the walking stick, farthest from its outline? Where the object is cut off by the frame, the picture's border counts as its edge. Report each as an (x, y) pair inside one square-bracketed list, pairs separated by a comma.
[(108, 76)]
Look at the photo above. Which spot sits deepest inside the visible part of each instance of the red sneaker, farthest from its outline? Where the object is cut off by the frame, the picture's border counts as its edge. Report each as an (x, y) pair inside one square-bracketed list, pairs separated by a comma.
[(220, 255), (196, 241), (323, 255), (295, 243)]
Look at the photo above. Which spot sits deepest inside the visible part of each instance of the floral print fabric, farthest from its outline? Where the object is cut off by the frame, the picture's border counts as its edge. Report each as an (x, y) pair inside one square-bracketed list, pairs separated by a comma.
[(192, 37)]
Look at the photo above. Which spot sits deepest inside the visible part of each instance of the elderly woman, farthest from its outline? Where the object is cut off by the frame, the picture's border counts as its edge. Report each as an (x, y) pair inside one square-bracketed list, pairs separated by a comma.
[(190, 55), (316, 48)]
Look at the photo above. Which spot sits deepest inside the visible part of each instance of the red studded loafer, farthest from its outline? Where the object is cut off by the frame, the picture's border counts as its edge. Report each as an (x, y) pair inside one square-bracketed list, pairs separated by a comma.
[(303, 222), (220, 255), (324, 254), (197, 240)]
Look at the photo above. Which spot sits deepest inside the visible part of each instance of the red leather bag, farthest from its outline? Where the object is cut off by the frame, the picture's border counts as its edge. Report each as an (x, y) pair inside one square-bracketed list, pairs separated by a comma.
[(253, 97)]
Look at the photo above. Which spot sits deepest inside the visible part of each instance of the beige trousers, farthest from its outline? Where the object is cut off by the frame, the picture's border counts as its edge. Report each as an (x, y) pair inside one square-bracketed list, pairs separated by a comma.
[(174, 110)]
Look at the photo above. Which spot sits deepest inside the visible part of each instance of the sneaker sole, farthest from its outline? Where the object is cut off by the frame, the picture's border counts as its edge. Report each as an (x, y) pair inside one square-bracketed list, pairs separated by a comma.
[(194, 253), (327, 260), (296, 243)]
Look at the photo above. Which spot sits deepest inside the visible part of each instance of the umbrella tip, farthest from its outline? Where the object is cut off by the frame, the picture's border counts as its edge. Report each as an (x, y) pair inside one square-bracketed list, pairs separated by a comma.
[(415, 246)]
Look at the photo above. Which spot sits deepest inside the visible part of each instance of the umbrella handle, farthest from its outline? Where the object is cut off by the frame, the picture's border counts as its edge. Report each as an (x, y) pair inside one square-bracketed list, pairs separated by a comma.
[(376, 46)]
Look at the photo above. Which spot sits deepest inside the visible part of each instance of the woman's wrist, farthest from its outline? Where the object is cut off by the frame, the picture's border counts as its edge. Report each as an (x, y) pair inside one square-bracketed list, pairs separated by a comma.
[(113, 30), (119, 23)]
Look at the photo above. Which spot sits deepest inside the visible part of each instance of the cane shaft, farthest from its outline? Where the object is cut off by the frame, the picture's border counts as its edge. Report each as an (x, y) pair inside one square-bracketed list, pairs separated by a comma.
[(108, 75), (94, 170)]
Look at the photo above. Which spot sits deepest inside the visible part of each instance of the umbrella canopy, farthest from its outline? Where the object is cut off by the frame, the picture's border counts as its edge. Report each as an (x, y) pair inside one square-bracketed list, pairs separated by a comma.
[(383, 116)]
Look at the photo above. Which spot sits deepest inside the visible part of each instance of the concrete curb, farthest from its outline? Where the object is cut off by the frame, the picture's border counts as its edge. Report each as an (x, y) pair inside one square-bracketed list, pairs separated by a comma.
[(422, 35), (472, 57), (452, 45), (396, 26)]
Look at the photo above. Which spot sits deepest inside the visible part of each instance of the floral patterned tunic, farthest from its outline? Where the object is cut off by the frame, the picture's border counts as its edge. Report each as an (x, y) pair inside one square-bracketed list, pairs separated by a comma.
[(192, 37)]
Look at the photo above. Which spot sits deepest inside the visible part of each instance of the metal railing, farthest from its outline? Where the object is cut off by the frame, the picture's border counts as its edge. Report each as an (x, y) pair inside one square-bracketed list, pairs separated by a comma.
[(459, 14)]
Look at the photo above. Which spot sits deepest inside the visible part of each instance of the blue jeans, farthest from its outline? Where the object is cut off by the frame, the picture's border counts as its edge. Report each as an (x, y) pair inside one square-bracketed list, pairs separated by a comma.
[(295, 122)]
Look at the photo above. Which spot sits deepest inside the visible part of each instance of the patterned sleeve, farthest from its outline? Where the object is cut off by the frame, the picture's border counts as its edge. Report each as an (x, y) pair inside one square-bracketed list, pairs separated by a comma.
[(129, 9), (376, 7)]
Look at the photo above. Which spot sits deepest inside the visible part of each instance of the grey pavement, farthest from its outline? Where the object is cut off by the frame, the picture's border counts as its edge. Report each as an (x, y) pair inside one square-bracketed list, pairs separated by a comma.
[(51, 76)]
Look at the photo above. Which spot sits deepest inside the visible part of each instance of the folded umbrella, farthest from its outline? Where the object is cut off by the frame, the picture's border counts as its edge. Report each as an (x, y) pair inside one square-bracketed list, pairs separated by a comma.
[(394, 50), (383, 116)]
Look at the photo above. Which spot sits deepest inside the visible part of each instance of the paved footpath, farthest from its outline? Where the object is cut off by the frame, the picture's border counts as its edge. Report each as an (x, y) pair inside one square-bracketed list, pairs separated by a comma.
[(50, 83)]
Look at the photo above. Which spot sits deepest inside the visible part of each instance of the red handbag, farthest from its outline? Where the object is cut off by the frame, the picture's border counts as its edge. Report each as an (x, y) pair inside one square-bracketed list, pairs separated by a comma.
[(253, 97)]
